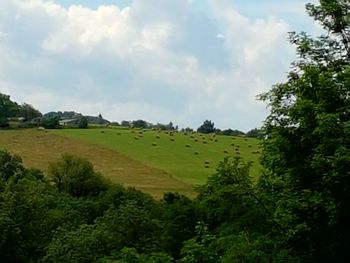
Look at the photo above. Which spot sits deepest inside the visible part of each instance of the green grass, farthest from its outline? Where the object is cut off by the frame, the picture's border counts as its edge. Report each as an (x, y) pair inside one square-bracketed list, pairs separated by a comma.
[(179, 155), (38, 148)]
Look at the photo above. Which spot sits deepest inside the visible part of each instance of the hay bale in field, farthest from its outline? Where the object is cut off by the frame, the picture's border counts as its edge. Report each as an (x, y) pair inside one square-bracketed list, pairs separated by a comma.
[(206, 162), (250, 146), (136, 138), (158, 137), (225, 151), (188, 145), (196, 153), (207, 166), (172, 139), (196, 140), (154, 144), (102, 131), (205, 142)]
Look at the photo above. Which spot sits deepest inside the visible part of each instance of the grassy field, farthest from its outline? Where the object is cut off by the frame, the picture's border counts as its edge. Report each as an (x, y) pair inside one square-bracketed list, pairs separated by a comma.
[(154, 162), (37, 148), (189, 157)]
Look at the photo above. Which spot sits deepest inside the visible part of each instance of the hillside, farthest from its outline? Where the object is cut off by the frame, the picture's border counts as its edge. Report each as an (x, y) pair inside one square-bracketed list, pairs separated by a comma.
[(190, 157), (38, 148)]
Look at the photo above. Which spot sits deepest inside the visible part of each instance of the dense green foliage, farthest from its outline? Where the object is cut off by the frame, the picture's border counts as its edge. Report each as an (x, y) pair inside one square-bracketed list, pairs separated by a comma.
[(256, 133), (50, 122), (298, 211), (307, 150), (10, 109), (207, 127), (76, 216)]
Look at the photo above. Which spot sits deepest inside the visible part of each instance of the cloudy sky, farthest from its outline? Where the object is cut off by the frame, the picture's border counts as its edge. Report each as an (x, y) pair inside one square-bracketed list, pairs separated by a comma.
[(160, 60)]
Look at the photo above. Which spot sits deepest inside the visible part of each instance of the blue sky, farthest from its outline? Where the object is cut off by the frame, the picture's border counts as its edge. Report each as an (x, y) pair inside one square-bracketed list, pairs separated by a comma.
[(160, 60)]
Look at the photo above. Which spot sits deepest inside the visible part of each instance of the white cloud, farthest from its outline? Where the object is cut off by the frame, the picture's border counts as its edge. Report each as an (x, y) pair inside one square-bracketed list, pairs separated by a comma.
[(155, 60)]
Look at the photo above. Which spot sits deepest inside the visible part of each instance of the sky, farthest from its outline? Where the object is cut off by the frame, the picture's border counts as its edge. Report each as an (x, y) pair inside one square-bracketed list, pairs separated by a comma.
[(182, 61)]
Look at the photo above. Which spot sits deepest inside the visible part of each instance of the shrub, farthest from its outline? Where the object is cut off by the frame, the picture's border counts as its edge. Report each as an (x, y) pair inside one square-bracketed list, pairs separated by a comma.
[(76, 176)]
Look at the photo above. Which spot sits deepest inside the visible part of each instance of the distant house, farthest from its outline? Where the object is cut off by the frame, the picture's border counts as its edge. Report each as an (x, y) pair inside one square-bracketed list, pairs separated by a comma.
[(68, 122)]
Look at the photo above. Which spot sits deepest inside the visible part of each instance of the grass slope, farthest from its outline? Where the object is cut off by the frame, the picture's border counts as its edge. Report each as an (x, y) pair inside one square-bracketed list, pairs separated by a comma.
[(189, 157), (38, 148)]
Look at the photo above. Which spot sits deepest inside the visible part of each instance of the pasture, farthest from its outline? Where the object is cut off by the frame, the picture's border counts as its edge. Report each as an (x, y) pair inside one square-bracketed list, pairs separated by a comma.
[(189, 157), (38, 148), (152, 161)]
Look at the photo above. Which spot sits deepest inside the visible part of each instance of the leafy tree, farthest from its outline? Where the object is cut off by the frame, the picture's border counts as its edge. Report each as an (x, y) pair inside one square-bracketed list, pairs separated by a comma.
[(180, 216), (125, 123), (127, 255), (8, 109), (230, 132), (307, 149), (50, 122), (229, 196), (83, 122), (10, 165), (200, 248), (134, 226), (28, 112), (140, 124), (88, 243), (76, 176), (256, 133), (206, 127)]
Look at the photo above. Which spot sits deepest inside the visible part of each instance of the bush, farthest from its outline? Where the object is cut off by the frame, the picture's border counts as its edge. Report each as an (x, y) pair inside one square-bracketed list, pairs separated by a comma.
[(50, 122), (76, 176)]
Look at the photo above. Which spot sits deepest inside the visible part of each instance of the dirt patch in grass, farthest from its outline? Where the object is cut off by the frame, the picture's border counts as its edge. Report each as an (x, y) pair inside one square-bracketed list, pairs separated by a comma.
[(38, 148)]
